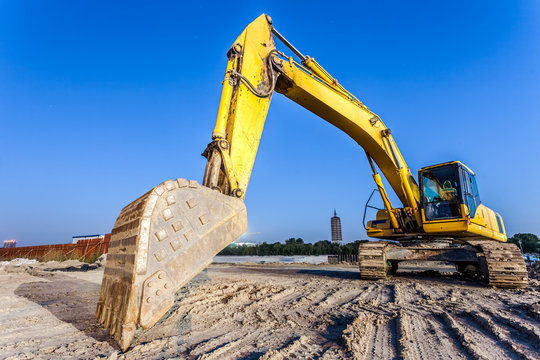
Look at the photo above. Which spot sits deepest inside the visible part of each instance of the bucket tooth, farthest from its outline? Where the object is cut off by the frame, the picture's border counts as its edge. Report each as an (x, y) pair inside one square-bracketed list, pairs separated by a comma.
[(159, 243)]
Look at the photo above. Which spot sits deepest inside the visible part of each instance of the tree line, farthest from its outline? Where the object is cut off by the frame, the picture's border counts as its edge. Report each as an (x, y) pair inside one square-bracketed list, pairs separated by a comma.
[(529, 243), (296, 246)]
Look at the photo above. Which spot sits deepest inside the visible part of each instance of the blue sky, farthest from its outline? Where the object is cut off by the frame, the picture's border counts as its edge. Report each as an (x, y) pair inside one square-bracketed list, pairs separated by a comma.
[(101, 101)]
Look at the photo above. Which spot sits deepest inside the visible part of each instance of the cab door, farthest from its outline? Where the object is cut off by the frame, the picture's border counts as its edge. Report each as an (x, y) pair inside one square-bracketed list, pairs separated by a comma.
[(468, 187)]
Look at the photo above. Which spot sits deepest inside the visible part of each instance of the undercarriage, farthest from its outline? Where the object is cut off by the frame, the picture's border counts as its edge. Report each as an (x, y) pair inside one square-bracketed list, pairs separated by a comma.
[(499, 264)]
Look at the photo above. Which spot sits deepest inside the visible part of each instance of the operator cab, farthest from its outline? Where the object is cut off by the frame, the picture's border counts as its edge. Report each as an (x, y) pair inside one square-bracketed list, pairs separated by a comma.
[(444, 187)]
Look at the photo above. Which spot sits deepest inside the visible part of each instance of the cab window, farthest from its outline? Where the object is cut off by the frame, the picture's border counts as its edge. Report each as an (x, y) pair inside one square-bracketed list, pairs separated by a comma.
[(441, 192)]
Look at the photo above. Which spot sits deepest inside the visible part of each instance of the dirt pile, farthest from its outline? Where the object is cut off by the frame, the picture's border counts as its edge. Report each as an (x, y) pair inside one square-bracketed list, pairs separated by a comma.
[(35, 267), (18, 265), (267, 312)]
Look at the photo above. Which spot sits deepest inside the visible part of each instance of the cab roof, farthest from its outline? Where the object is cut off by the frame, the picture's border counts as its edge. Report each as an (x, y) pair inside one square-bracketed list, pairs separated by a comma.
[(448, 163)]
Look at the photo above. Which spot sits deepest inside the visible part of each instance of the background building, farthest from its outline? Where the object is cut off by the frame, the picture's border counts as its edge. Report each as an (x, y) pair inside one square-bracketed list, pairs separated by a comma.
[(10, 243), (75, 239), (335, 225), (240, 244)]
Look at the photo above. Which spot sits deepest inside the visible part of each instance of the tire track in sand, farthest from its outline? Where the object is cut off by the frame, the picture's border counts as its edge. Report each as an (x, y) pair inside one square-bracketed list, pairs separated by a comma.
[(373, 335), (422, 337), (476, 344), (515, 346), (302, 347)]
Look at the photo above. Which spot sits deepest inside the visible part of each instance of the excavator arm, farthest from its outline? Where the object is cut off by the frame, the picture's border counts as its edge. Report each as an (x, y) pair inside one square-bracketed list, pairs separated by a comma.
[(255, 70)]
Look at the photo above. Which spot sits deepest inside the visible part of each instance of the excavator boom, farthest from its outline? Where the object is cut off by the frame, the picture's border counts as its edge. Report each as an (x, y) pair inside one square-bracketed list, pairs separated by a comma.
[(168, 235)]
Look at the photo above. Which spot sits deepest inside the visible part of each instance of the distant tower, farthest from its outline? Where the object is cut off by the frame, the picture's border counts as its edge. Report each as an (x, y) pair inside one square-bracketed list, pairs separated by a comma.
[(335, 225)]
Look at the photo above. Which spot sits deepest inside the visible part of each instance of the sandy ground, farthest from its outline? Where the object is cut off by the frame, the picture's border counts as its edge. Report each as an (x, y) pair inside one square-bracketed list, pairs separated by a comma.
[(276, 312)]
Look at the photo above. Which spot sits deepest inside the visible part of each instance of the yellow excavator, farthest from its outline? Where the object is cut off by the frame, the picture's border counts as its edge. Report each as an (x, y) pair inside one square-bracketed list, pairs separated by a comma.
[(168, 235)]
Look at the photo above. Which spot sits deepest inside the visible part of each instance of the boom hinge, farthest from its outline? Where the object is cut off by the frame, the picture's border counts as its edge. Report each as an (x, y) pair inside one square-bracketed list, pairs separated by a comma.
[(219, 164)]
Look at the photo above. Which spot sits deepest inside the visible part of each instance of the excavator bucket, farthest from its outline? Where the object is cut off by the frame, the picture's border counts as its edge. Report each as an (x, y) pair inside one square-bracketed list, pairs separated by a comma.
[(159, 243)]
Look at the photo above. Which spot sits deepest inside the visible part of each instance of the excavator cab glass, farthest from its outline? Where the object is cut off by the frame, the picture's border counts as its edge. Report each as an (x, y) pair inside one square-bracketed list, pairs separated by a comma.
[(471, 198), (441, 192)]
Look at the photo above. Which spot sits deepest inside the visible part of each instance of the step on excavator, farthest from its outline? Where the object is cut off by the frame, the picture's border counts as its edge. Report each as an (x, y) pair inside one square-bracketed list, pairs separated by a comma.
[(164, 238)]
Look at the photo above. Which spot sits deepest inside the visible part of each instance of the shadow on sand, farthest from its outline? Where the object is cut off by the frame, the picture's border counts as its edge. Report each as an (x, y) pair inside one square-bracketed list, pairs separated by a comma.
[(349, 273), (70, 300), (335, 274), (432, 276)]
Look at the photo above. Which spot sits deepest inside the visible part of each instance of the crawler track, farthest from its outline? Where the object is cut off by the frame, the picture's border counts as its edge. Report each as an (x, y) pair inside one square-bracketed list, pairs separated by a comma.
[(372, 260), (505, 265)]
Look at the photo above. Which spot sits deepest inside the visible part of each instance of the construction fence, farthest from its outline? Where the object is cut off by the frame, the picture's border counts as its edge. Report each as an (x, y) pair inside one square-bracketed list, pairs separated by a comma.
[(340, 259), (84, 250)]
